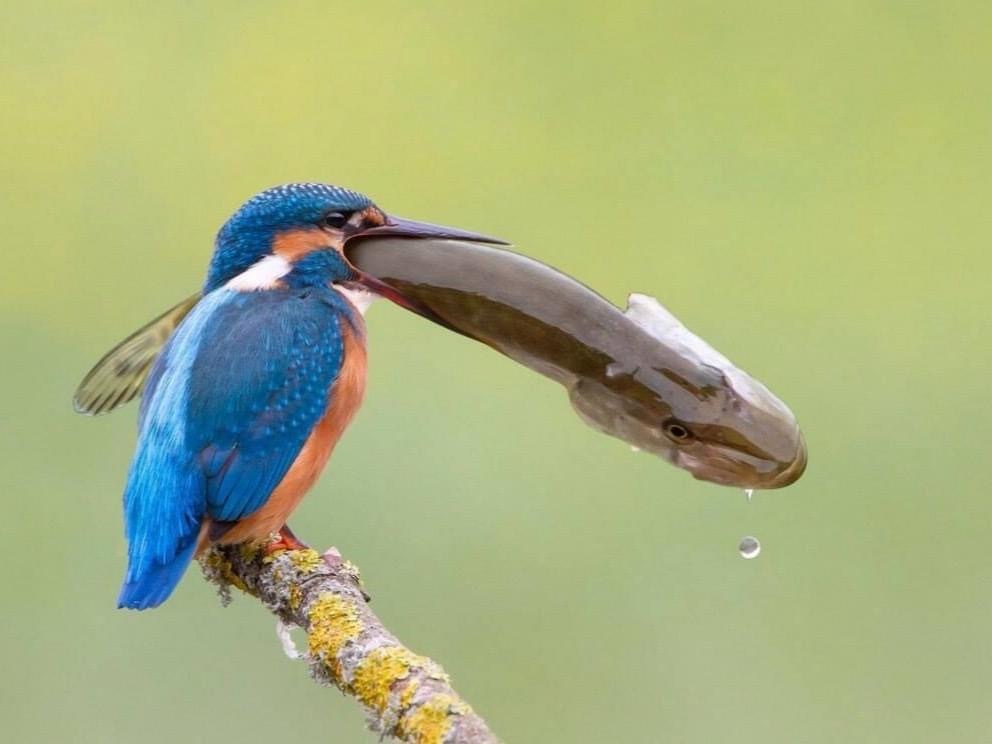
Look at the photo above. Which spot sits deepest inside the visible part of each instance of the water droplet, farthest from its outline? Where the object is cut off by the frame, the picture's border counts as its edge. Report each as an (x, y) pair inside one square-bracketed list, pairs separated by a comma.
[(749, 548), (749, 492)]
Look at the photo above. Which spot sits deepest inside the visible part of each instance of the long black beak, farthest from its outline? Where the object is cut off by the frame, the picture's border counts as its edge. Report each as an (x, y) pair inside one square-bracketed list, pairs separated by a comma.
[(398, 227)]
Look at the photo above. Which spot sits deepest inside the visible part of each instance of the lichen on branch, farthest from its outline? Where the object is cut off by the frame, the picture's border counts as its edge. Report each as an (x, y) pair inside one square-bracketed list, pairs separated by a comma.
[(407, 696)]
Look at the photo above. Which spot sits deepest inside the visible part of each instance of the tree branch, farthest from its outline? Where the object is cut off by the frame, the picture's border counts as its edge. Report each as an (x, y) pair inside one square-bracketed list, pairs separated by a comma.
[(407, 696)]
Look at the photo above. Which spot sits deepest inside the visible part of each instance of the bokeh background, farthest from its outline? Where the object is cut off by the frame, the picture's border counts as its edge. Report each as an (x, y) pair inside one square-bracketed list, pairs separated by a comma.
[(805, 184)]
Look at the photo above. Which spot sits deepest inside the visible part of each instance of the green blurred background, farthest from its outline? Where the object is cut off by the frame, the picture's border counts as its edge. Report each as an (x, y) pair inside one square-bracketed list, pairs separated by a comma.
[(805, 184)]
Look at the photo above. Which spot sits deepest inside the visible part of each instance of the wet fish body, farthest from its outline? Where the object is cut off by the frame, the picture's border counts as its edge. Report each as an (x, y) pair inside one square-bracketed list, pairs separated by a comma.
[(639, 375)]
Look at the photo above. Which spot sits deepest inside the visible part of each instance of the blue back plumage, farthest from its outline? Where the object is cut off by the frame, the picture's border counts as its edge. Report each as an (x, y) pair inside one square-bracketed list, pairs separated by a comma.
[(278, 358), (252, 228), (227, 408)]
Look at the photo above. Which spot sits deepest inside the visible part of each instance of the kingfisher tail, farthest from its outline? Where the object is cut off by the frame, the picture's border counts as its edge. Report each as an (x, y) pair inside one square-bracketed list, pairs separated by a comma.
[(153, 585)]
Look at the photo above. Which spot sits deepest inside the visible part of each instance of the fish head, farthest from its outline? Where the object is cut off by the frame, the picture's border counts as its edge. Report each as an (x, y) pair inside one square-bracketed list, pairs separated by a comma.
[(684, 401)]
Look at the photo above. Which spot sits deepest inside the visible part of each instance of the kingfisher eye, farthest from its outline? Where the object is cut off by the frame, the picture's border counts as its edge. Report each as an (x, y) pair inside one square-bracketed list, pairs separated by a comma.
[(677, 431), (337, 220)]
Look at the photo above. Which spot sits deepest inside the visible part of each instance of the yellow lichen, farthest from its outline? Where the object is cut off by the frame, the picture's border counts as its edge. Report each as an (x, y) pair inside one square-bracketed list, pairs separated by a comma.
[(306, 560), (439, 674), (248, 551), (222, 568), (406, 697), (379, 671), (333, 622), (295, 597), (352, 570), (430, 722)]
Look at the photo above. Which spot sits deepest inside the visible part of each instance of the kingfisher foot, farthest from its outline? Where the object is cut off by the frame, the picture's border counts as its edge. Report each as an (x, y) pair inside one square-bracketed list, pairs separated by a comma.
[(285, 540)]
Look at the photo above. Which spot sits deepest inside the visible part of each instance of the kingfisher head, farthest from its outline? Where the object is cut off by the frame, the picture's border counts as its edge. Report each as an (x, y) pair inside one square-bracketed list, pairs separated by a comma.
[(294, 235)]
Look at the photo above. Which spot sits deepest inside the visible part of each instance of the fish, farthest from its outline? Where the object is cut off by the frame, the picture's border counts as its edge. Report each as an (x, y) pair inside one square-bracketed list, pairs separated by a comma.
[(637, 374)]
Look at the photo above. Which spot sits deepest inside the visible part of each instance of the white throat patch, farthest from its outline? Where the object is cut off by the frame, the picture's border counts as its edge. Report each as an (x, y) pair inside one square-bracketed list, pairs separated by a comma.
[(263, 274), (360, 298)]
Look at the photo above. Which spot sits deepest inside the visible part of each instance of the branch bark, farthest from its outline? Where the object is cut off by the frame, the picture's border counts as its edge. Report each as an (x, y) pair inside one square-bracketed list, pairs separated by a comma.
[(407, 696)]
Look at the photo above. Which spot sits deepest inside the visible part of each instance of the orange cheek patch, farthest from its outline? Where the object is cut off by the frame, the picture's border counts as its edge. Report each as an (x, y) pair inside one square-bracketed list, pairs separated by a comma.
[(294, 244), (372, 216)]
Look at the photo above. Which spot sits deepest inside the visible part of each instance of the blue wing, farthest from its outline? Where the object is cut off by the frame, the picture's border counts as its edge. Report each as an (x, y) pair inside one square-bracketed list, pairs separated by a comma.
[(258, 386), (227, 409)]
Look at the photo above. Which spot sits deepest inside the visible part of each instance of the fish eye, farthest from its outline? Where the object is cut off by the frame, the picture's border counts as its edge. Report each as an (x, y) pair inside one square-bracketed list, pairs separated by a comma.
[(335, 220), (677, 431)]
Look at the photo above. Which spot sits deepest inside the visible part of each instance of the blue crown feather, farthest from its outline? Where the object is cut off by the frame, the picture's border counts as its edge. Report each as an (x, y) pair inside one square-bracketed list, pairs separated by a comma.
[(248, 234)]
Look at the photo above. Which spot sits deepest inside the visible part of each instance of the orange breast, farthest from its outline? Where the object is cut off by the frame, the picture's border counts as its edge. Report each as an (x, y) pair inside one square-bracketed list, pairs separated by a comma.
[(345, 398)]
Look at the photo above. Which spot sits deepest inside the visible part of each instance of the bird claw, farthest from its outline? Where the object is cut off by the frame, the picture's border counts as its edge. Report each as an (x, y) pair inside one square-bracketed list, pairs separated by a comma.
[(283, 540)]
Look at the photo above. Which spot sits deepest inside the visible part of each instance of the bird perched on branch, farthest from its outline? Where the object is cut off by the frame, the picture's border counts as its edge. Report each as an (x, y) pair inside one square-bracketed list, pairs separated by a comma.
[(245, 404)]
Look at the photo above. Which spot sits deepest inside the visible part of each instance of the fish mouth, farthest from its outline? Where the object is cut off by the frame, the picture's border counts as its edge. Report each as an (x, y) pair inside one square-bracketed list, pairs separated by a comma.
[(794, 470), (726, 466), (395, 227)]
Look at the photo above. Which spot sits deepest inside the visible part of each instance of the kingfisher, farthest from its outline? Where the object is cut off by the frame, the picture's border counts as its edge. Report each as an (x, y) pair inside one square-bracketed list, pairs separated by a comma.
[(244, 405)]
